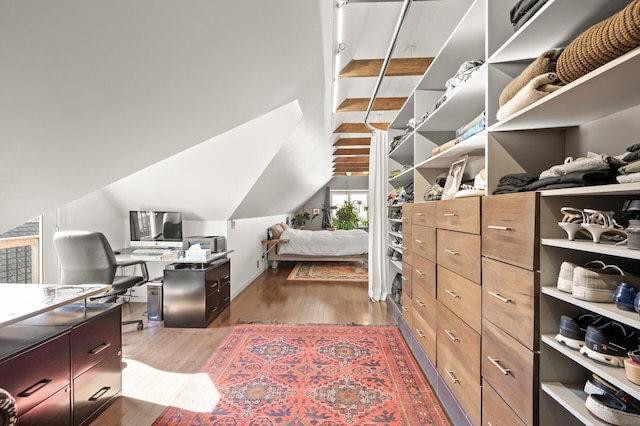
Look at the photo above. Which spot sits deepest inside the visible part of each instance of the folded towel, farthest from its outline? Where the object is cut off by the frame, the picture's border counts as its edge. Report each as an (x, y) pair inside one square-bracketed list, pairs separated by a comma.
[(633, 167), (544, 63), (445, 146), (533, 91), (630, 178)]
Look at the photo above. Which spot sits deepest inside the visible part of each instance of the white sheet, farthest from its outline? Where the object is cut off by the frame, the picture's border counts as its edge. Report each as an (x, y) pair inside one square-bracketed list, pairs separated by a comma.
[(324, 243)]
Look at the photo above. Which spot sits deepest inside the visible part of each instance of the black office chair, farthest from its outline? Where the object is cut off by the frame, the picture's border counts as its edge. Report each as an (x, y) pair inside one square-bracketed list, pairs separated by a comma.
[(87, 258)]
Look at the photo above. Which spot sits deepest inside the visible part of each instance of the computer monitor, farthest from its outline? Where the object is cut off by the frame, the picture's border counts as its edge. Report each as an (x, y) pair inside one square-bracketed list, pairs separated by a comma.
[(155, 229)]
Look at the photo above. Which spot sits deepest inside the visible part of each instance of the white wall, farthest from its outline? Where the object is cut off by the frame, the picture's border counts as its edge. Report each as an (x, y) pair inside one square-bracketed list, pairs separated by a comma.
[(244, 237)]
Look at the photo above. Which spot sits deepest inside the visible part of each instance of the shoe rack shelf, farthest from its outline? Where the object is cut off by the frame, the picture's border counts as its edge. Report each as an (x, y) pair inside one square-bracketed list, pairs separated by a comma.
[(572, 397), (603, 247)]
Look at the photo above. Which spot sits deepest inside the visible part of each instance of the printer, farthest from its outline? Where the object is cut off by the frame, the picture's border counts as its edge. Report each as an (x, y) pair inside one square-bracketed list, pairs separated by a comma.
[(215, 243)]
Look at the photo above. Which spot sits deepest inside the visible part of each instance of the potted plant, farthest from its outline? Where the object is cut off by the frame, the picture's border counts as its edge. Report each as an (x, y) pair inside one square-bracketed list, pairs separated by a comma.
[(346, 217), (301, 218)]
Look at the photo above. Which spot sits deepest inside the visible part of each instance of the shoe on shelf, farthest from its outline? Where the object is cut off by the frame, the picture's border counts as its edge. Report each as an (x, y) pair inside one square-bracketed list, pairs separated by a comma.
[(571, 222), (599, 285), (610, 343), (565, 277), (601, 224), (573, 330), (625, 296), (611, 404)]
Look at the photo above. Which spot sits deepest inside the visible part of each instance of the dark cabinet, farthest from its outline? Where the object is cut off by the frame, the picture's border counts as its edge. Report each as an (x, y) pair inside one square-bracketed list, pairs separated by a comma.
[(63, 367), (195, 294)]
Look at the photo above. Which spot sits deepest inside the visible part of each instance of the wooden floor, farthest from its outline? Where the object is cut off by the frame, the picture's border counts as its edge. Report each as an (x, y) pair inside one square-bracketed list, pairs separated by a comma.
[(160, 364)]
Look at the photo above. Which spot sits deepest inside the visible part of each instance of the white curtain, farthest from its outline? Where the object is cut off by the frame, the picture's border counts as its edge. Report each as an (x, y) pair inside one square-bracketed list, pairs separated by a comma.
[(378, 285)]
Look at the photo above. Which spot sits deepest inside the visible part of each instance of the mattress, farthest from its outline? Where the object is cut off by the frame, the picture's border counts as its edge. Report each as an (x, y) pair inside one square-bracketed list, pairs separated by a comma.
[(324, 243)]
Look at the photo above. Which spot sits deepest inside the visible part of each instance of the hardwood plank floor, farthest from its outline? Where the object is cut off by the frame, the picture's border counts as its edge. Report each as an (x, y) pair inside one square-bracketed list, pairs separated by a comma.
[(160, 364)]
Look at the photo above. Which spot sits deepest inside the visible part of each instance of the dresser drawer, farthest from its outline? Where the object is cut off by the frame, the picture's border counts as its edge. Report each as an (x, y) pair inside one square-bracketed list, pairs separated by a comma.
[(53, 411), (94, 388), (461, 215), (461, 339), (459, 253), (406, 309), (407, 214), (425, 306), (510, 231), (464, 384), (462, 296), (407, 252), (424, 242), (511, 369), (495, 411), (96, 339), (407, 284), (510, 300), (424, 214), (38, 373), (426, 337), (424, 275)]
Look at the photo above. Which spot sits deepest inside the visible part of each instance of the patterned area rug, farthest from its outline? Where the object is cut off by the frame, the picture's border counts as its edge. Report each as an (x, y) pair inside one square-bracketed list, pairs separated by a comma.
[(330, 271), (321, 375)]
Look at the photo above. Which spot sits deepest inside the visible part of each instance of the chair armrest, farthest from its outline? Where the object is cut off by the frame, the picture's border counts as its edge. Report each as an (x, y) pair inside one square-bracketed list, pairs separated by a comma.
[(143, 267)]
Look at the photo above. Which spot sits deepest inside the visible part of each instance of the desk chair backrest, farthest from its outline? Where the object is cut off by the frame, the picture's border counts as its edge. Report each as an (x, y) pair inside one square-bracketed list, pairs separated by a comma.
[(85, 257)]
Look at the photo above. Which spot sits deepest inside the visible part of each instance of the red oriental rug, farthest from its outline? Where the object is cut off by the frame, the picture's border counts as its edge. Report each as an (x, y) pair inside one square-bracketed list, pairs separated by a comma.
[(330, 271), (321, 375)]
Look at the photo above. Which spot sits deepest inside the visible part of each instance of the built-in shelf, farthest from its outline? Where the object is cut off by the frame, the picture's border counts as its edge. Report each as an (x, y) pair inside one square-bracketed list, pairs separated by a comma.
[(475, 145), (572, 397), (603, 247)]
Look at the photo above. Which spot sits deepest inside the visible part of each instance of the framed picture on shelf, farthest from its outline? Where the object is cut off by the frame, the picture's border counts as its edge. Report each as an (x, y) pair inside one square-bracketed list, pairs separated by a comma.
[(454, 177)]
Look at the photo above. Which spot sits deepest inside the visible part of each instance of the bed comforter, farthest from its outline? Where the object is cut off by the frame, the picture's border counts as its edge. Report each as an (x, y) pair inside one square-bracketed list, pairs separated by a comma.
[(324, 243)]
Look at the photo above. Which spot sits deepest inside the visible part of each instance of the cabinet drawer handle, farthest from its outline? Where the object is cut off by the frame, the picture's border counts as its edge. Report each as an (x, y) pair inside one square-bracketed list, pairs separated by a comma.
[(419, 214), (499, 297), (422, 305), (404, 308), (499, 228), (450, 214), (213, 310), (451, 376), (420, 334), (226, 277), (226, 299), (34, 388), (100, 393), (420, 272), (453, 252), (419, 241), (451, 293), (405, 248), (451, 336), (405, 279), (496, 362), (101, 347)]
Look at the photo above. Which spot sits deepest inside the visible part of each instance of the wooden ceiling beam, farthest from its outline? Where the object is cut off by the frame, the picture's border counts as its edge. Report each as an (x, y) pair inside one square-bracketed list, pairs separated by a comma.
[(359, 127), (380, 104), (351, 169), (352, 173), (352, 142), (351, 151), (398, 67)]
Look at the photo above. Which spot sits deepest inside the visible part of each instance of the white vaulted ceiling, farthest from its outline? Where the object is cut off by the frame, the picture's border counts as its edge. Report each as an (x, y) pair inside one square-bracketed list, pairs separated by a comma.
[(220, 109)]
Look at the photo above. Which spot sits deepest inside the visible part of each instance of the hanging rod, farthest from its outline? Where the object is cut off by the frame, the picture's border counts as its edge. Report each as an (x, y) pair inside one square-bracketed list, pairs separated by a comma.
[(385, 64)]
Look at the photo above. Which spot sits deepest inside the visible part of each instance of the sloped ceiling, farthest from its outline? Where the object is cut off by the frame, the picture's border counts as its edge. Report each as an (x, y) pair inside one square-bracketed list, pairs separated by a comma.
[(95, 91)]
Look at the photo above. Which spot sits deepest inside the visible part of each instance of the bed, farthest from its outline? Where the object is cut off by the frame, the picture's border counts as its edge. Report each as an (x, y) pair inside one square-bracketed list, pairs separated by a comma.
[(289, 244)]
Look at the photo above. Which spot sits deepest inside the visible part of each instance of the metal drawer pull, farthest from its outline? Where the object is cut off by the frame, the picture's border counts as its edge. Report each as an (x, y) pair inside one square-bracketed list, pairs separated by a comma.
[(455, 253), (499, 228), (34, 388), (419, 241), (98, 394), (496, 362), (422, 305), (404, 248), (419, 214), (99, 348), (450, 214), (404, 308), (500, 298), (405, 279), (420, 334), (451, 376), (420, 272), (451, 293), (451, 335)]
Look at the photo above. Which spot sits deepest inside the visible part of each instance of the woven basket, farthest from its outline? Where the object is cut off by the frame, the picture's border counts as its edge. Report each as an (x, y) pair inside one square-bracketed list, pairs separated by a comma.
[(601, 43)]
